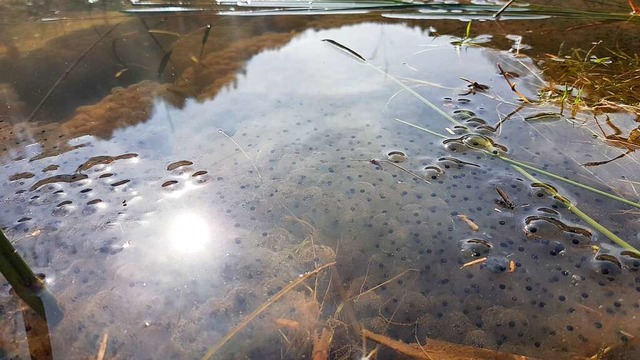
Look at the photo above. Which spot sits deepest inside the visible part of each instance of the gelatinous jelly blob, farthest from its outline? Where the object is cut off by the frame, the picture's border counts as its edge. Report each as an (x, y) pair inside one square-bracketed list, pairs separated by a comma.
[(545, 226), (432, 172), (497, 264), (475, 247), (607, 265), (66, 178), (397, 156), (177, 164)]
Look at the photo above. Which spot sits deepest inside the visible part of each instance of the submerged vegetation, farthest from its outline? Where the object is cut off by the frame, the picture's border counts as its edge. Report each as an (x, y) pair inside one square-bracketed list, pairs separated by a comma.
[(603, 83)]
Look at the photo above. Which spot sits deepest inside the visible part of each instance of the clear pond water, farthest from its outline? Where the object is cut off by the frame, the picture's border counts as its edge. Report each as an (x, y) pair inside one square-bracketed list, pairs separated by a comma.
[(163, 210)]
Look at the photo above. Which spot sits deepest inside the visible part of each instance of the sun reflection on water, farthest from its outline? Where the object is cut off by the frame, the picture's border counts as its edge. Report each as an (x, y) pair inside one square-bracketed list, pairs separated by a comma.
[(189, 232)]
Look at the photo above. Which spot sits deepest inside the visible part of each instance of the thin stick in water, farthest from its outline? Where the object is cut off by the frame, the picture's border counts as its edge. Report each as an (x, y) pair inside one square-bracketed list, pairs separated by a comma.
[(244, 152), (205, 36), (512, 85), (346, 49), (394, 79), (502, 9), (68, 71)]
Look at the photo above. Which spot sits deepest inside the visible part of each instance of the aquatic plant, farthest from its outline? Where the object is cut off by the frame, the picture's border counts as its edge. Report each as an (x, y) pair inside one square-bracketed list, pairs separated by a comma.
[(584, 81), (331, 335), (467, 40)]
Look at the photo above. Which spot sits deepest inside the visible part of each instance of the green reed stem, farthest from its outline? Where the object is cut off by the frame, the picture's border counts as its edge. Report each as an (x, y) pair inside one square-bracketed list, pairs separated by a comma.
[(421, 128), (579, 213), (359, 58), (517, 165), (26, 284), (414, 93), (568, 181)]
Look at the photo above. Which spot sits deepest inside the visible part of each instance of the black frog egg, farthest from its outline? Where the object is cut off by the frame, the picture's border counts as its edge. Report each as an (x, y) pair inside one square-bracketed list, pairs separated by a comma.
[(607, 265), (432, 172), (497, 264)]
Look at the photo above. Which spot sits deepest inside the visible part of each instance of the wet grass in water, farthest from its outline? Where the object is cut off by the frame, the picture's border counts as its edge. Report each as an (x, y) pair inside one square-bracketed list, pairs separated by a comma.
[(600, 78)]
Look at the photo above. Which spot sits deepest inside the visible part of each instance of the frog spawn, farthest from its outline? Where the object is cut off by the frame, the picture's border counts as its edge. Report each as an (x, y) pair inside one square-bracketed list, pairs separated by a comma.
[(397, 238), (554, 229), (404, 228)]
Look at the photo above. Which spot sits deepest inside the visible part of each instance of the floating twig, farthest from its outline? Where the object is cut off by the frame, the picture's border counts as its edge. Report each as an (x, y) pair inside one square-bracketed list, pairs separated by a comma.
[(473, 262), (103, 346), (503, 8), (438, 349), (163, 63), (378, 162), (394, 79), (287, 324), (322, 344), (400, 347), (205, 36), (473, 226), (512, 85), (474, 87), (631, 143), (345, 49), (26, 285)]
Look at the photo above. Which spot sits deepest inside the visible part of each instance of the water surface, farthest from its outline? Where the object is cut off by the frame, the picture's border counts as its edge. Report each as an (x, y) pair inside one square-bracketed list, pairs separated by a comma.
[(164, 211)]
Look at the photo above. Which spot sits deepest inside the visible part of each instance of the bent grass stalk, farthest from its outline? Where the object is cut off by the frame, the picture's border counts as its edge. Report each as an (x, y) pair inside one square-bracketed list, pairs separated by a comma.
[(517, 165), (361, 59), (579, 213), (262, 308), (244, 152), (568, 181), (26, 285)]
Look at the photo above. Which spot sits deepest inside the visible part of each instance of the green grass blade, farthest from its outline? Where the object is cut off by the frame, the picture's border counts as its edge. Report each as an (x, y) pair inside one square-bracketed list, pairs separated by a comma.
[(584, 217), (360, 58), (568, 181)]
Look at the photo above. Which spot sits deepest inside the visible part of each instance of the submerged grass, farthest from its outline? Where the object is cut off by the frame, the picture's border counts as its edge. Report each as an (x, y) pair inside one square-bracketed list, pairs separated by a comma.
[(603, 82), (213, 350), (485, 145)]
